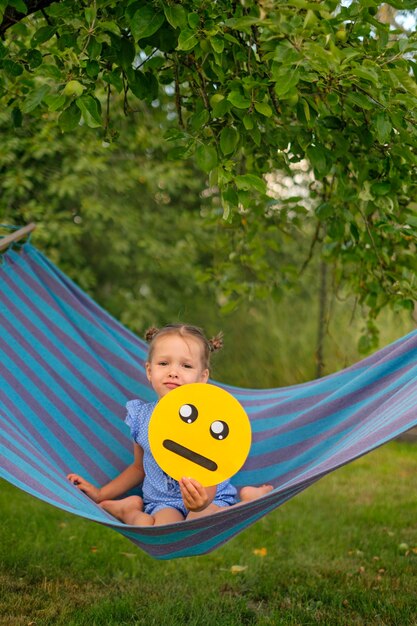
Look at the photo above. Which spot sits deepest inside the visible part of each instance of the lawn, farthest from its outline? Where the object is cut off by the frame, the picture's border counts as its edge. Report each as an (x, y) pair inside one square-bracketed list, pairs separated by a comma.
[(343, 552)]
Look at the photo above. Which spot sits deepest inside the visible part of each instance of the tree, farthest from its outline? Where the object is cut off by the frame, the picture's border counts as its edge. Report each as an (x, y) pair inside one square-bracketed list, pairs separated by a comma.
[(254, 87)]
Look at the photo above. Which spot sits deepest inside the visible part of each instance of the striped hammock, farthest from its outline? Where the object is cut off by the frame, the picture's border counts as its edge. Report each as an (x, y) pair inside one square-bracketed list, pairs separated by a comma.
[(67, 369)]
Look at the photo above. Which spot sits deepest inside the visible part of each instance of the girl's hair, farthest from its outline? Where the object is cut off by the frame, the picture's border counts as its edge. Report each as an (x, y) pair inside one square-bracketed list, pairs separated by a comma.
[(208, 345)]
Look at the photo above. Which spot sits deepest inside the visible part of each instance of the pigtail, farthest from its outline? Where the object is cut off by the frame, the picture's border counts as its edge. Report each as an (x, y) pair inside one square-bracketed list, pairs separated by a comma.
[(216, 343), (151, 333)]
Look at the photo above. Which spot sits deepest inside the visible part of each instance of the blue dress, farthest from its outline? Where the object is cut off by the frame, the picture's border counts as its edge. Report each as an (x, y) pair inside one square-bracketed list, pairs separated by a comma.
[(160, 490)]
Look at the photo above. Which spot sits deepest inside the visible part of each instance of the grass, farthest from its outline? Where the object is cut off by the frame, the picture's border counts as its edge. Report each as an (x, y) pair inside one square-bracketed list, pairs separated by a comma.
[(344, 552)]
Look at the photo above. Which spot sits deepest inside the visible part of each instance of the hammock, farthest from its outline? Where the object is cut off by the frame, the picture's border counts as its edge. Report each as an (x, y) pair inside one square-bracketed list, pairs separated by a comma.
[(67, 369)]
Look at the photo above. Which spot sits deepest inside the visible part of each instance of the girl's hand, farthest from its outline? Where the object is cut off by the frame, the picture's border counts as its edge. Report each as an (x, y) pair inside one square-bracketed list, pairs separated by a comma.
[(194, 495), (83, 485)]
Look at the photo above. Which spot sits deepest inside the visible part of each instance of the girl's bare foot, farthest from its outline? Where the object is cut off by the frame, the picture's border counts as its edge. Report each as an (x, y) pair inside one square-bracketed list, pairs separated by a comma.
[(253, 493), (128, 510)]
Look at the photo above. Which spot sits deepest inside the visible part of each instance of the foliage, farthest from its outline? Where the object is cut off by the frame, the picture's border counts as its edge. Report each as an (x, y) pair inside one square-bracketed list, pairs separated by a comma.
[(251, 88), (106, 214)]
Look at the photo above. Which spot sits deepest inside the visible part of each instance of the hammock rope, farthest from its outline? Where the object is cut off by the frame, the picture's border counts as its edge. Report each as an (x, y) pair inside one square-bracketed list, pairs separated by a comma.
[(67, 369)]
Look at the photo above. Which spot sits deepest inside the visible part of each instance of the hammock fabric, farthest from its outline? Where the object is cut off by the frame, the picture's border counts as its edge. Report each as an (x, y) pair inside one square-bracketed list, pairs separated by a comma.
[(67, 369)]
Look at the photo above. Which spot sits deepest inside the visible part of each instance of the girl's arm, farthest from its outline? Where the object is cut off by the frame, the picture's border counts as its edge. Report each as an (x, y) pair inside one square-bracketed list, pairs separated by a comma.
[(131, 477), (194, 495)]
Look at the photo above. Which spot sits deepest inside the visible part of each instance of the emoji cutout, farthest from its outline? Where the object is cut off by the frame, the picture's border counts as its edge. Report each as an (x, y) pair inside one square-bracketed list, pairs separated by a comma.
[(202, 431)]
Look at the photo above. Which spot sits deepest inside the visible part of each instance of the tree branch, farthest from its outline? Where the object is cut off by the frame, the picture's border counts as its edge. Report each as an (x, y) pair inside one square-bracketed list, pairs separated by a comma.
[(178, 95), (12, 16)]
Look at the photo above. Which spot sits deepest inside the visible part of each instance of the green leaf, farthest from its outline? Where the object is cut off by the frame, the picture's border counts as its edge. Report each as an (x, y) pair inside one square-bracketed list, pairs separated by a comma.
[(175, 15), (381, 189), (54, 102), (406, 81), (198, 120), (263, 108), (229, 139), (367, 73), (406, 304), (242, 23), (42, 34), (206, 157), (256, 136), (217, 44), (229, 37), (187, 39), (250, 181), (34, 58), (248, 122), (230, 196), (114, 78), (90, 109), (174, 134), (19, 5), (324, 210), (12, 69), (229, 200), (127, 53), (364, 344), (383, 127), (285, 82), (95, 45), (360, 100), (403, 5), (90, 14), (216, 98), (110, 27), (92, 68), (193, 20), (317, 156), (52, 71), (145, 22), (238, 100), (412, 220), (182, 152), (67, 40), (354, 231), (221, 108), (34, 98), (332, 122), (143, 85), (17, 117), (69, 118)]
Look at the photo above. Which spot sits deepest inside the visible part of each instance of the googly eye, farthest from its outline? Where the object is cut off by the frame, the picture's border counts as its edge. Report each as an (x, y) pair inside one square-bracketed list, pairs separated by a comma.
[(188, 413), (219, 430)]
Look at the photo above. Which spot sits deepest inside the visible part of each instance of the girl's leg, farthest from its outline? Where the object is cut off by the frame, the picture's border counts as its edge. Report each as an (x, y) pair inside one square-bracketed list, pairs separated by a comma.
[(253, 493), (209, 510), (168, 515), (128, 510), (246, 495)]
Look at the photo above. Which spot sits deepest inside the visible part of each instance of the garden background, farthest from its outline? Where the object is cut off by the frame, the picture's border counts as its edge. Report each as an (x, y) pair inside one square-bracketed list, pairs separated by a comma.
[(248, 167)]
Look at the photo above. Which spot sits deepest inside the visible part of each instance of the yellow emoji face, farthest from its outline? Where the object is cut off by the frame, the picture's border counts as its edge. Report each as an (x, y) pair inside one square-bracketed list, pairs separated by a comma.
[(201, 431)]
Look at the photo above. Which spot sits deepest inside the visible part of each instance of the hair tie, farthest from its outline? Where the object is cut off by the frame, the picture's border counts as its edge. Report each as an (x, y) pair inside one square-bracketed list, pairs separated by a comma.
[(151, 333), (216, 343)]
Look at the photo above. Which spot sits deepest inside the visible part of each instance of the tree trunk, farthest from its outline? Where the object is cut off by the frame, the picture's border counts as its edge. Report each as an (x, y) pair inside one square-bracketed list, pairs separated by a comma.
[(322, 319)]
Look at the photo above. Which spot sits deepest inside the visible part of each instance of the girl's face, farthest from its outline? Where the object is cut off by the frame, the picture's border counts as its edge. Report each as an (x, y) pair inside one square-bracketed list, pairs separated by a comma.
[(175, 361)]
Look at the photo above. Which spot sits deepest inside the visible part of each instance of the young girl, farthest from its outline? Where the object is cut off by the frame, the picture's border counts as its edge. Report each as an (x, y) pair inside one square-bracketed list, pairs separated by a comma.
[(178, 354)]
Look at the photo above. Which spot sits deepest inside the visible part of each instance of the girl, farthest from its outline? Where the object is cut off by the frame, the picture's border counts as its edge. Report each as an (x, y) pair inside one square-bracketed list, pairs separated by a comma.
[(178, 354)]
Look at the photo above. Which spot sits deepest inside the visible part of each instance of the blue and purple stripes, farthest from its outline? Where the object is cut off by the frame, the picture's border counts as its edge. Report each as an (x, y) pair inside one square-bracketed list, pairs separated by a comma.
[(67, 369)]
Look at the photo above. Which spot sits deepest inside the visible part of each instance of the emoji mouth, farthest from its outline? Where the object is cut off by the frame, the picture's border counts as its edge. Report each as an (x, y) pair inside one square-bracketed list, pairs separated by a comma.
[(190, 455)]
